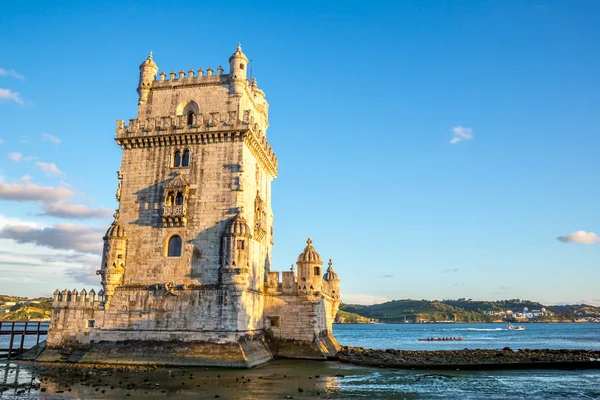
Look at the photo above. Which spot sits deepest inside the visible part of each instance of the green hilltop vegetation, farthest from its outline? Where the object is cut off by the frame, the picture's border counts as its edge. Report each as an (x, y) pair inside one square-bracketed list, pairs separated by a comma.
[(15, 308), (468, 310)]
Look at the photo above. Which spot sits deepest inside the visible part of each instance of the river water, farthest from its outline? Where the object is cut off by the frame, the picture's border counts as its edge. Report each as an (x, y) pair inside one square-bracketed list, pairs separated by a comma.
[(321, 380)]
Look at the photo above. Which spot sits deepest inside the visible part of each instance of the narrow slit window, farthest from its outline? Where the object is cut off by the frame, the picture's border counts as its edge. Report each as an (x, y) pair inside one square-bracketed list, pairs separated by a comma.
[(240, 245), (177, 159), (190, 118), (179, 199), (185, 161), (317, 271), (174, 246)]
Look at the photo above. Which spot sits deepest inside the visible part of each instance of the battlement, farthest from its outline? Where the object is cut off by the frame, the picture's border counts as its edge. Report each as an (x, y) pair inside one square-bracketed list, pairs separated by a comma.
[(173, 78), (205, 128), (74, 297)]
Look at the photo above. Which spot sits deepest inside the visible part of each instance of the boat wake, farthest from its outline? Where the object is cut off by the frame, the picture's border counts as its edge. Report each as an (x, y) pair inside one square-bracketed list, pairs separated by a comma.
[(484, 329)]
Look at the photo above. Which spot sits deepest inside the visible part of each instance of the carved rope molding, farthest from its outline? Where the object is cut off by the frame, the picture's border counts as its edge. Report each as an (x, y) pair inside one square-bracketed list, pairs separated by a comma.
[(258, 147)]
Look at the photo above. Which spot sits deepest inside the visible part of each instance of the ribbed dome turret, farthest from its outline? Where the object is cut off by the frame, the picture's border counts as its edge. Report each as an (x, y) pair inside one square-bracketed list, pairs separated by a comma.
[(239, 227), (238, 54), (330, 273), (148, 62), (309, 254), (116, 230)]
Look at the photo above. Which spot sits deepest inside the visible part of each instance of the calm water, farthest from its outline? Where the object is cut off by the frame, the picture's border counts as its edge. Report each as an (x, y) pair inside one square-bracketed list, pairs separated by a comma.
[(477, 336), (321, 380)]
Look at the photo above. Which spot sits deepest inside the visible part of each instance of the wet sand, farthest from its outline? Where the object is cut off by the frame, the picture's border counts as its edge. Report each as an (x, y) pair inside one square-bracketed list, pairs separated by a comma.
[(278, 379)]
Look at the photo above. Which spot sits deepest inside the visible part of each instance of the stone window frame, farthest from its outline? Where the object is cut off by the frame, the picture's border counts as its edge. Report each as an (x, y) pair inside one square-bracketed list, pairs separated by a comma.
[(182, 157), (168, 246)]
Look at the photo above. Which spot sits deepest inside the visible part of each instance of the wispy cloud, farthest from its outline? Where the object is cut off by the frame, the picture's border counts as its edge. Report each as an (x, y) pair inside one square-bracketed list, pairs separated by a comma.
[(447, 270), (19, 280), (8, 94), (85, 274), (80, 238), (75, 211), (1, 141), (582, 237), (18, 157), (49, 168), (461, 133), (46, 137), (363, 298), (30, 192), (387, 276), (11, 72)]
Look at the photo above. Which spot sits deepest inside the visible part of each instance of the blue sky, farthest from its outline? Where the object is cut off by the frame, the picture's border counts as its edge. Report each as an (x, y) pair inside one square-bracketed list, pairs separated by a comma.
[(433, 149)]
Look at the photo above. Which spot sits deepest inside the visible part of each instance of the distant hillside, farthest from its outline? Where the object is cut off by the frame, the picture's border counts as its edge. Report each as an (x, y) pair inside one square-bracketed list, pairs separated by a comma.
[(344, 317), (22, 309), (468, 310)]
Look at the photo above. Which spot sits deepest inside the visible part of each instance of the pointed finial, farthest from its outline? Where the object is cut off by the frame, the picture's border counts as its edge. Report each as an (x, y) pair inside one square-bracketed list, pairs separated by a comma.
[(239, 48), (116, 215), (150, 55), (309, 241), (292, 269), (330, 263)]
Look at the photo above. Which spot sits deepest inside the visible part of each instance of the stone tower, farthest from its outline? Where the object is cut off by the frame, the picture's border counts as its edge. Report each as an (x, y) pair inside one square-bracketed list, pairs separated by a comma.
[(187, 261)]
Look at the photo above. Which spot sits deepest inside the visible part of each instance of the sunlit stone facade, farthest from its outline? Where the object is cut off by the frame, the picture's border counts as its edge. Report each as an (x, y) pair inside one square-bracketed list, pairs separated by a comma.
[(186, 267)]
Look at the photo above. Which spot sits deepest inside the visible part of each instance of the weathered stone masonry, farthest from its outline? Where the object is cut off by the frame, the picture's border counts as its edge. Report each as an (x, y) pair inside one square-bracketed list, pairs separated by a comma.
[(186, 266)]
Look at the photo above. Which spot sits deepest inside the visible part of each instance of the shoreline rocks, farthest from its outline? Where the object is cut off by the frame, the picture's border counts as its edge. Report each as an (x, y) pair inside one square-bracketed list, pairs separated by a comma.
[(470, 359)]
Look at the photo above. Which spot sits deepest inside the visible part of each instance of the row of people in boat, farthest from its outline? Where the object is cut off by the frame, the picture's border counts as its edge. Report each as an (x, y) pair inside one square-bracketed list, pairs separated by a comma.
[(442, 339)]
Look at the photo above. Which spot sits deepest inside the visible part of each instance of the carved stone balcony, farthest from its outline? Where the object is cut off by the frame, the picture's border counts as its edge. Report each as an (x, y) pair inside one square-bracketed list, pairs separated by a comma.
[(174, 215)]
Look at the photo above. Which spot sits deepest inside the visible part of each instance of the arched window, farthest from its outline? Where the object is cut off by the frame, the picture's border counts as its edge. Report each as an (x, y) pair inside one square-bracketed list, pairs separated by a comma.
[(317, 271), (170, 199), (190, 118), (177, 159), (179, 199), (185, 161), (174, 247)]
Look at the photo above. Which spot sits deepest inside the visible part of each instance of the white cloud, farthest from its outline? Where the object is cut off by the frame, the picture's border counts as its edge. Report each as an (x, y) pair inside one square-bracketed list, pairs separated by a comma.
[(30, 192), (1, 141), (363, 298), (582, 237), (85, 274), (18, 157), (12, 72), (19, 280), (75, 211), (447, 270), (46, 137), (49, 168), (8, 94), (461, 133), (66, 236)]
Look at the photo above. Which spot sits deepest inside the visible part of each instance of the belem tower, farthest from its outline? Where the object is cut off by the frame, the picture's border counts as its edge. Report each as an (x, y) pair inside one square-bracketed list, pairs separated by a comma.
[(186, 267)]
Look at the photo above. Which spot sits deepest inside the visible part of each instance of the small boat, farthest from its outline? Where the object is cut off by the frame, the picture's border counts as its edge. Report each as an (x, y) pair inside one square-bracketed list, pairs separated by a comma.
[(515, 328), (442, 339)]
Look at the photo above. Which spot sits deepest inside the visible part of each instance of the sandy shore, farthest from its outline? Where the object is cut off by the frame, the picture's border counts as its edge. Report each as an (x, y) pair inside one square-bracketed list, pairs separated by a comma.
[(471, 359)]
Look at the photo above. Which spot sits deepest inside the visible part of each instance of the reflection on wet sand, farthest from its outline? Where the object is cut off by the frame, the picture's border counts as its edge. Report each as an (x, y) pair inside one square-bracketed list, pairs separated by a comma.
[(290, 379), (278, 379)]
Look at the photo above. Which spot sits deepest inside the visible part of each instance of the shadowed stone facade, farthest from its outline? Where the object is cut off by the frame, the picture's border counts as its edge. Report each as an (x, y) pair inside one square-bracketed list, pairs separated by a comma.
[(186, 266)]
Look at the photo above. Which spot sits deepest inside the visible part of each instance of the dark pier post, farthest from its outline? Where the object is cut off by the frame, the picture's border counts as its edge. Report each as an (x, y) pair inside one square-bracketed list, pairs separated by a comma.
[(23, 338), (12, 338), (37, 340)]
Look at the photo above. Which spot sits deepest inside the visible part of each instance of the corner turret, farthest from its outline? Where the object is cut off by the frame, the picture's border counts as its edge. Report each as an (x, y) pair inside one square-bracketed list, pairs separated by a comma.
[(235, 252), (113, 257), (309, 269), (238, 64), (148, 71)]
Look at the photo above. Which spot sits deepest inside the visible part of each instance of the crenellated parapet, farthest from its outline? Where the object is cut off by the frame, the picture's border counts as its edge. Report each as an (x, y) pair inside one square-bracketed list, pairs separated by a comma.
[(206, 128), (192, 77), (77, 298)]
